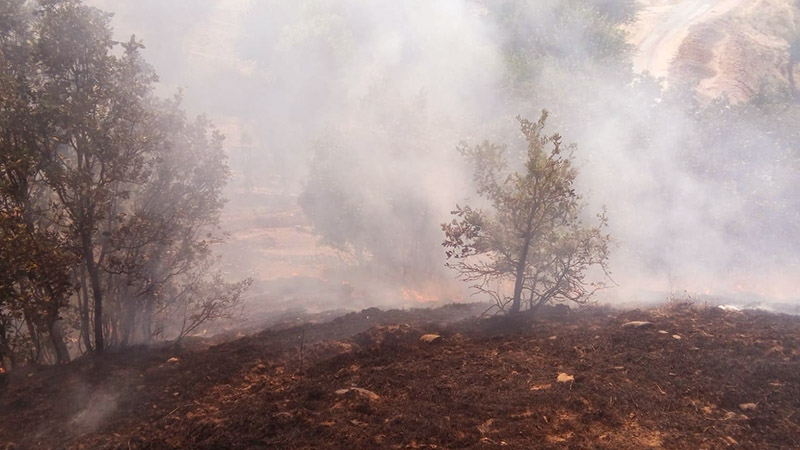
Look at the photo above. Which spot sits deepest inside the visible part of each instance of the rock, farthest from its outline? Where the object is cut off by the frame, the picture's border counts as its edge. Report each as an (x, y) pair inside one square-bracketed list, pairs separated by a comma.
[(389, 335), (564, 378), (540, 387), (663, 332), (523, 415), (747, 406), (173, 360), (676, 336), (730, 415), (430, 338), (637, 324), (369, 395)]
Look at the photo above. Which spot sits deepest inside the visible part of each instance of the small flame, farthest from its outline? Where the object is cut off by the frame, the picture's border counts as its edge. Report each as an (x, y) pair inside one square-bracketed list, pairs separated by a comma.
[(421, 297)]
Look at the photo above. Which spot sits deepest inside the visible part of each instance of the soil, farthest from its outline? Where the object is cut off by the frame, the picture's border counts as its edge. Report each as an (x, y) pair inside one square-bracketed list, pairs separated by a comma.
[(694, 377)]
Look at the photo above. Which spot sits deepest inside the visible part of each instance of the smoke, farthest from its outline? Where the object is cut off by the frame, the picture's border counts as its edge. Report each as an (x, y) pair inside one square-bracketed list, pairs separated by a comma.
[(358, 106)]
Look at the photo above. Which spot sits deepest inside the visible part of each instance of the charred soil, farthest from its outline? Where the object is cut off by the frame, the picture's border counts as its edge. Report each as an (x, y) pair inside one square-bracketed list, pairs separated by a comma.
[(689, 378)]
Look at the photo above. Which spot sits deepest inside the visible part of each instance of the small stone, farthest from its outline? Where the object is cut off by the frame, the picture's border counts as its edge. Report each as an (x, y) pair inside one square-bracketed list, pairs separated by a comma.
[(676, 336), (663, 332), (747, 406), (553, 338), (430, 338), (173, 360), (485, 427), (637, 324), (564, 378)]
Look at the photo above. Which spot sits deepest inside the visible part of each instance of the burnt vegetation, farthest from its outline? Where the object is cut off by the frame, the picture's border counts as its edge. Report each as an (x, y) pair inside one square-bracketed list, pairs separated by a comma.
[(697, 377)]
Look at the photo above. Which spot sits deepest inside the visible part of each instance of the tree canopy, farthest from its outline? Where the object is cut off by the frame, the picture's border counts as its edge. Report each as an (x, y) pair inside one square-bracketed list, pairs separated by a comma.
[(109, 196), (530, 232)]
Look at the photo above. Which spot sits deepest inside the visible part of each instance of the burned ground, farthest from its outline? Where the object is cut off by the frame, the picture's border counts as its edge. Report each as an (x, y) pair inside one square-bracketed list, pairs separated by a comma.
[(693, 378)]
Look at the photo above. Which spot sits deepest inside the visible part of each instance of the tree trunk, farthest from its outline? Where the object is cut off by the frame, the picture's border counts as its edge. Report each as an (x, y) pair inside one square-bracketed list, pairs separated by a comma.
[(97, 293), (519, 283), (3, 344), (128, 319), (147, 321), (83, 303), (54, 327), (57, 336), (37, 345)]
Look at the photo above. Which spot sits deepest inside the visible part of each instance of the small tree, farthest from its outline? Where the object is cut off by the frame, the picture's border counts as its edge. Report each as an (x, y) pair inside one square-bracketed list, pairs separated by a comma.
[(531, 232)]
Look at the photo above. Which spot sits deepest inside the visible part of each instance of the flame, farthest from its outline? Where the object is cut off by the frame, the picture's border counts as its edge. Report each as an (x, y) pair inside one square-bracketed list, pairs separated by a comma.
[(421, 297)]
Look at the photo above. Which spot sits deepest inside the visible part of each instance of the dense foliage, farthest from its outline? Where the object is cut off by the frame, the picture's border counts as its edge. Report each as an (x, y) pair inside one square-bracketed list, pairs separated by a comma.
[(109, 197)]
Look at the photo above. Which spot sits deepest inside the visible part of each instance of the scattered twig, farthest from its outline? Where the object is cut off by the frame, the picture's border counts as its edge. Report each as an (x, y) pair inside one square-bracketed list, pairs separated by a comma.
[(302, 348), (176, 409)]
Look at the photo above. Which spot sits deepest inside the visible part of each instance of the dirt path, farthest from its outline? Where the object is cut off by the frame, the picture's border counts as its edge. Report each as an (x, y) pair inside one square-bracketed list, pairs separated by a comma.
[(663, 25)]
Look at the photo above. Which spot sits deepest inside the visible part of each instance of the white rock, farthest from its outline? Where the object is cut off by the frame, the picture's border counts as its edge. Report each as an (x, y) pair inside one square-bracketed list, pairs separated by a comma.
[(564, 378), (637, 324), (362, 392), (430, 338)]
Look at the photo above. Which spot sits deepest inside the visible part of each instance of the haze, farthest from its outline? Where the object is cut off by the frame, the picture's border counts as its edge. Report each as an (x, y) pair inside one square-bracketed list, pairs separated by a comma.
[(386, 90)]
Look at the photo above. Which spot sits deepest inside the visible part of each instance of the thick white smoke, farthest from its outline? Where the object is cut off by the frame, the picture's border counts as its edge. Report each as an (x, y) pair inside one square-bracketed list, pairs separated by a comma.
[(385, 91)]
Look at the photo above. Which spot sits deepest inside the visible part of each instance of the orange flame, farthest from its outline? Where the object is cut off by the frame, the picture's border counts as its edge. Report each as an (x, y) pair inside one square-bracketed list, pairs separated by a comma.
[(421, 297)]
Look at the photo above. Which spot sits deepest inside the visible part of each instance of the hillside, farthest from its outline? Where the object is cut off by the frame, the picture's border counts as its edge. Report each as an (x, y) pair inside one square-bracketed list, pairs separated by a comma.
[(695, 378), (722, 45)]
